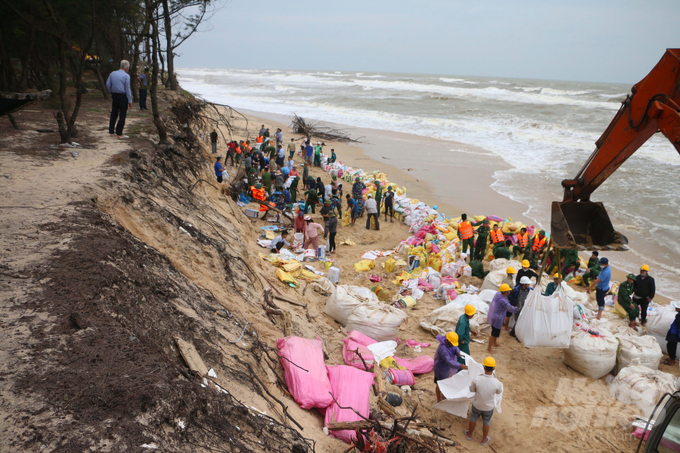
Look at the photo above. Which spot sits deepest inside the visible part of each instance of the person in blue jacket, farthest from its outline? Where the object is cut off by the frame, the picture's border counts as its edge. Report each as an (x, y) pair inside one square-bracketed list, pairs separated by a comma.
[(673, 336)]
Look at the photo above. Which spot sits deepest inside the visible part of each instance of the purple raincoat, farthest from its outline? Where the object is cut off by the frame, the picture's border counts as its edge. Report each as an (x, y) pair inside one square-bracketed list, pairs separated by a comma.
[(445, 360), (497, 310)]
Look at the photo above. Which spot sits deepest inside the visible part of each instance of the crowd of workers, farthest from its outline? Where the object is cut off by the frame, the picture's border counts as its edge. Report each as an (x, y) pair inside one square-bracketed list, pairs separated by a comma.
[(273, 172)]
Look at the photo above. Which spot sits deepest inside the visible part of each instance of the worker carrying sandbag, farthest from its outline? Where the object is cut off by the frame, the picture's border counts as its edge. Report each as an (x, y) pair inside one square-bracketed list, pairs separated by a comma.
[(463, 331), (485, 387), (446, 362)]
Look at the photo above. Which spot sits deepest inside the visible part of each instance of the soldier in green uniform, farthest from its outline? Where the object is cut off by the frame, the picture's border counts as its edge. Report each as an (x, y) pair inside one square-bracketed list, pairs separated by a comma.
[(594, 258), (267, 180), (478, 269), (251, 176), (482, 238), (571, 258), (293, 189), (503, 251), (378, 195), (592, 273), (624, 299)]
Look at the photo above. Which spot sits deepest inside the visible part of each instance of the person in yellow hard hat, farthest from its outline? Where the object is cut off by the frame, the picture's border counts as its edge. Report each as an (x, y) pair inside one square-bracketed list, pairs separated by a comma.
[(509, 279), (485, 387), (645, 288), (446, 360), (525, 271), (553, 285), (499, 306), (463, 331)]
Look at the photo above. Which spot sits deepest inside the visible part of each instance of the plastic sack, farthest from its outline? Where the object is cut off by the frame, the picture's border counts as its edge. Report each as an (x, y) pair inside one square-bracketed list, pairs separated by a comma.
[(658, 324), (443, 320), (357, 341), (472, 299), (419, 365), (364, 265), (346, 218), (380, 322), (593, 356), (351, 388), (642, 350), (501, 264), (641, 386), (298, 240), (467, 271), (346, 298), (285, 277), (310, 387), (545, 322), (390, 264), (493, 280)]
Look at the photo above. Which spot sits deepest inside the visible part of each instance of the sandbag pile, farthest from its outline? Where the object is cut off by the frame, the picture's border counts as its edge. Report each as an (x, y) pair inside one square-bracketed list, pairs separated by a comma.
[(658, 324), (358, 308), (443, 320), (642, 350), (351, 388), (545, 322), (358, 342), (591, 352), (642, 386)]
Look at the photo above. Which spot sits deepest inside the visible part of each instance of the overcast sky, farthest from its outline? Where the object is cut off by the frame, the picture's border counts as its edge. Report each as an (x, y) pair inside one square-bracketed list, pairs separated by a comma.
[(582, 40)]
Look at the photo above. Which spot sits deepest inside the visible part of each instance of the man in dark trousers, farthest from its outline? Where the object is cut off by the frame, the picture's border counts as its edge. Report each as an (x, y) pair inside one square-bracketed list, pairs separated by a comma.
[(143, 87), (213, 141), (645, 288), (118, 85)]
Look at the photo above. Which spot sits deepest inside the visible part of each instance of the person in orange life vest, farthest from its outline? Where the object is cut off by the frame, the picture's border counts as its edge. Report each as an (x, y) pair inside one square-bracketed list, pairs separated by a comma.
[(466, 233), (538, 246), (497, 237), (522, 242), (259, 194)]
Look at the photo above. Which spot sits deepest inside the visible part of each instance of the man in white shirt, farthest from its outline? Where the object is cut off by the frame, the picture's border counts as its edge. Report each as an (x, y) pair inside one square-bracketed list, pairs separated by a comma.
[(485, 387), (279, 242), (372, 210)]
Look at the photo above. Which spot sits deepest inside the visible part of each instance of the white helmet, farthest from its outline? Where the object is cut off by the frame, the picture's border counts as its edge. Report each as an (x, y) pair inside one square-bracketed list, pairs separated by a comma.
[(525, 280)]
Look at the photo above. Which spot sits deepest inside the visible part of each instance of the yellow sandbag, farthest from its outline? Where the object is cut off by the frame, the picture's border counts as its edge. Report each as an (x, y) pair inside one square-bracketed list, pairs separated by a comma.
[(390, 362), (269, 234), (430, 237), (390, 264), (479, 218), (577, 280), (450, 236), (285, 277), (346, 218), (347, 241), (292, 266), (328, 264), (364, 265), (514, 226), (618, 309), (401, 277), (409, 301), (435, 262), (401, 262), (382, 293), (506, 228)]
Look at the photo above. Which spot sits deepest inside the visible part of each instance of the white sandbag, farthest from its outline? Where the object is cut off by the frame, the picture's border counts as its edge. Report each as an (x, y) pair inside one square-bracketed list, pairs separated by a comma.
[(575, 296), (298, 240), (617, 326), (643, 350), (378, 321), (494, 279), (463, 299), (501, 264), (487, 295), (346, 298), (591, 356), (545, 322), (658, 323), (641, 386), (443, 320)]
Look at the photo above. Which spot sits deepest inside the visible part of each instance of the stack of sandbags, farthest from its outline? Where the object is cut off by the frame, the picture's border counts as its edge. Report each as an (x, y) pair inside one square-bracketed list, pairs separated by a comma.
[(443, 320), (378, 321), (641, 386), (658, 324), (641, 350), (346, 298), (545, 322), (591, 355)]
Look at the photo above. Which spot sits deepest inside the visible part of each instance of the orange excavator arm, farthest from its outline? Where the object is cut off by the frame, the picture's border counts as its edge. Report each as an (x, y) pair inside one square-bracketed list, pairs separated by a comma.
[(653, 106)]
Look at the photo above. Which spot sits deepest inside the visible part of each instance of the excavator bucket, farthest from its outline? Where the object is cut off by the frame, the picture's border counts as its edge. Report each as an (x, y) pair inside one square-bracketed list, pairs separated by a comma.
[(584, 225)]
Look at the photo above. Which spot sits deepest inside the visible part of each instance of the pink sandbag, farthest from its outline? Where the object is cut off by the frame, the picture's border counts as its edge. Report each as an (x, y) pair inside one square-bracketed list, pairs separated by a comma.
[(309, 388), (435, 249), (418, 365), (358, 341), (421, 234), (425, 286), (447, 280), (351, 388)]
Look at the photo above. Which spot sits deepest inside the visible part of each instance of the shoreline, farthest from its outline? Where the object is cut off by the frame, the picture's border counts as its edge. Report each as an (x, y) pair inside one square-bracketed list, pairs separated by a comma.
[(474, 182)]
